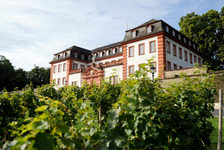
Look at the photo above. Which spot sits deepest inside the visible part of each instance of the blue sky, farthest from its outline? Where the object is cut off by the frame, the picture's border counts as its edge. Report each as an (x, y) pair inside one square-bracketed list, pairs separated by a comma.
[(31, 31)]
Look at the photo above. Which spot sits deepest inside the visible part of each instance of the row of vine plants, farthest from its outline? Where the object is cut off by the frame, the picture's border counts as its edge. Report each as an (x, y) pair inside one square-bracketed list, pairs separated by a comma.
[(137, 113)]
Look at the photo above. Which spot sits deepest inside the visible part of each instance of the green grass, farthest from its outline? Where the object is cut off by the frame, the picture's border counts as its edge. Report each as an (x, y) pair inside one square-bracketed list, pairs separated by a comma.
[(214, 134)]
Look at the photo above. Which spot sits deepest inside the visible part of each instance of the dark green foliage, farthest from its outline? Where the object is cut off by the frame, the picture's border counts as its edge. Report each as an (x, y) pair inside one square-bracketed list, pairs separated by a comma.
[(137, 113), (16, 79), (207, 30)]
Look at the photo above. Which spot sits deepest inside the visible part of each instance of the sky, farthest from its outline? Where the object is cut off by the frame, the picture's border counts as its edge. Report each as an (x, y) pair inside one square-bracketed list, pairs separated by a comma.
[(31, 31)]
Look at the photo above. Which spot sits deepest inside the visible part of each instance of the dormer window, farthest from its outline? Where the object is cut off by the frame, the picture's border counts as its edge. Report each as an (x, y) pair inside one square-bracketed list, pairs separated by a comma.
[(194, 46), (135, 33), (89, 57), (167, 29), (58, 56), (103, 53), (109, 52), (189, 43), (76, 54), (65, 54), (179, 36), (116, 50), (82, 57), (184, 40), (97, 54), (173, 33), (149, 29)]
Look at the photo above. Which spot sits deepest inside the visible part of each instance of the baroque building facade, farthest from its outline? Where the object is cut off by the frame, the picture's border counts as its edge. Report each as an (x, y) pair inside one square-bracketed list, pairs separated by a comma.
[(155, 39)]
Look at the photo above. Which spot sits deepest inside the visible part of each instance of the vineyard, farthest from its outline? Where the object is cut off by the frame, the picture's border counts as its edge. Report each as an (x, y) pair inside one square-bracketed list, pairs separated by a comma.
[(136, 113)]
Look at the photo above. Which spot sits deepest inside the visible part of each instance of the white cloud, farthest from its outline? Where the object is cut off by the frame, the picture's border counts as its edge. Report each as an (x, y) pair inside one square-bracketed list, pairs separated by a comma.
[(31, 31)]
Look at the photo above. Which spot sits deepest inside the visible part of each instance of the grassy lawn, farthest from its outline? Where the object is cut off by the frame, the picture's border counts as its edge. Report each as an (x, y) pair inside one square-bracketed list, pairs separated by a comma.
[(214, 134)]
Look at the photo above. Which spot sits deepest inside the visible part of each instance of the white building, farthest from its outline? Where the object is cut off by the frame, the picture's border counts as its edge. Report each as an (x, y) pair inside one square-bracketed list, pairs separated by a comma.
[(155, 39)]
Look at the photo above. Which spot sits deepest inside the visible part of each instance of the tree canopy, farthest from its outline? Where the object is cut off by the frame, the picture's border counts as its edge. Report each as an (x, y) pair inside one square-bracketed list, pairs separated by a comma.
[(208, 31), (11, 78)]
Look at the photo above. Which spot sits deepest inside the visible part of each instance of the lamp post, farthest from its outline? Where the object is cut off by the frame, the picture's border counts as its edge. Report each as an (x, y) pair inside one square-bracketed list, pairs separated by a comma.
[(153, 71)]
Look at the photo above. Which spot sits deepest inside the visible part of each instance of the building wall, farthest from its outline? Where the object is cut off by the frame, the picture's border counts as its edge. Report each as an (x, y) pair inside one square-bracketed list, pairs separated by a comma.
[(76, 77), (109, 59), (116, 70), (141, 59), (176, 60), (57, 75)]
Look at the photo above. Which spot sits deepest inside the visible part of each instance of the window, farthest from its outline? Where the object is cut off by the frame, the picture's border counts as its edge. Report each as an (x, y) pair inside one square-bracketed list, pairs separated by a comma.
[(152, 46), (113, 79), (76, 54), (189, 42), (74, 66), (168, 47), (64, 81), (181, 67), (74, 82), (168, 65), (149, 29), (134, 33), (109, 52), (180, 53), (59, 81), (179, 37), (185, 56), (116, 50), (59, 68), (82, 57), (199, 61), (55, 68), (184, 40), (167, 29), (58, 56), (131, 69), (64, 67), (131, 51), (195, 59), (191, 61), (103, 53), (141, 49), (174, 33), (174, 50), (175, 66), (82, 66)]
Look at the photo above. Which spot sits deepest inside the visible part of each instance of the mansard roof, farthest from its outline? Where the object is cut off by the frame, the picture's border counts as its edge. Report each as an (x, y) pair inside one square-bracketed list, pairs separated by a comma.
[(144, 24), (107, 46)]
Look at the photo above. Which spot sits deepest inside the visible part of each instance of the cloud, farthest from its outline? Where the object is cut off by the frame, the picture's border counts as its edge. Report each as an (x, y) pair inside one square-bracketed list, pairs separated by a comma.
[(31, 31)]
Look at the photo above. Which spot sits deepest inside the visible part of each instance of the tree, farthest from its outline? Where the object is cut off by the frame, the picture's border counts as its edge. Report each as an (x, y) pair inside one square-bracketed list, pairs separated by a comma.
[(21, 78), (208, 31), (7, 74), (39, 76)]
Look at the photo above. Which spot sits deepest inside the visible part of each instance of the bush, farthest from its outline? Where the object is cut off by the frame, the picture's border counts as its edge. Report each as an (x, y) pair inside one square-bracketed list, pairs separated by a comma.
[(137, 113)]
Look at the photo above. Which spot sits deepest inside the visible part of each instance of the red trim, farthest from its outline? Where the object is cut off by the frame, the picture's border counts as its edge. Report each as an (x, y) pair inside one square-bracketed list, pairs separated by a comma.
[(64, 66), (174, 50), (59, 68), (185, 56), (161, 55), (124, 53), (169, 65), (129, 51), (143, 49), (180, 53), (191, 60), (129, 69), (150, 51), (169, 47), (174, 66), (69, 69)]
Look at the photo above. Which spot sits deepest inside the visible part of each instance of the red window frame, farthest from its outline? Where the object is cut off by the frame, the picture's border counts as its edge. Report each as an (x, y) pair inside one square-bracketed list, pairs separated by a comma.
[(185, 56), (180, 53), (54, 68), (59, 81), (150, 49), (59, 68), (199, 61), (64, 81), (195, 59), (174, 66), (64, 67), (168, 65), (168, 43), (129, 51), (174, 50), (191, 58), (143, 48), (129, 68)]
